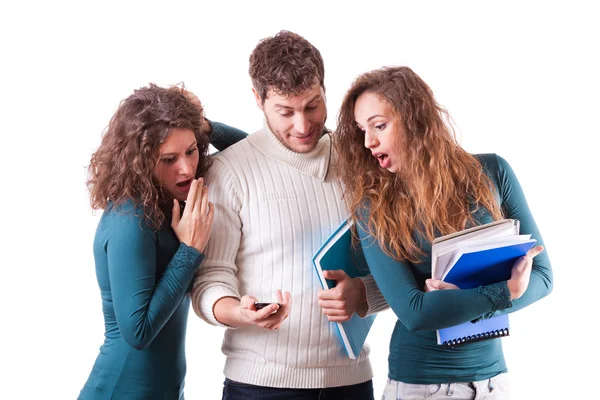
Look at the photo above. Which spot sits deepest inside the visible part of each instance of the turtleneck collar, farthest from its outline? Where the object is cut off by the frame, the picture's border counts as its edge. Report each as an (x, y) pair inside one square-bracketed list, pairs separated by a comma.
[(314, 163)]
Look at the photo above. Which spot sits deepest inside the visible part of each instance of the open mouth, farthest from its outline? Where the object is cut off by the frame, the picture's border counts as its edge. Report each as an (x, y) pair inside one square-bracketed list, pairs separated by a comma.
[(384, 160), (184, 186)]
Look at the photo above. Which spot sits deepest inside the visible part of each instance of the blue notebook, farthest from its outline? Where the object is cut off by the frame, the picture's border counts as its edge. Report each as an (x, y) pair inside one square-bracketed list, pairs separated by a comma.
[(338, 253), (481, 259)]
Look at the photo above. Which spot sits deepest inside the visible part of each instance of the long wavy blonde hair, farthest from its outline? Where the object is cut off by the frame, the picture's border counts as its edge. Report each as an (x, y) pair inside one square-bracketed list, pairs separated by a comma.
[(440, 185)]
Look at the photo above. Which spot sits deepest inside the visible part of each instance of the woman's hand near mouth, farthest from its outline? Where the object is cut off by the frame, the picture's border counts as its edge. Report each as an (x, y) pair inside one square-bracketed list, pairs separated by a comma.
[(194, 225)]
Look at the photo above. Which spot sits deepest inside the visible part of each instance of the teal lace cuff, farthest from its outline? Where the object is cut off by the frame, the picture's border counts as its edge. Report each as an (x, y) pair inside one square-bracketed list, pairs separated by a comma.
[(499, 295), (186, 257)]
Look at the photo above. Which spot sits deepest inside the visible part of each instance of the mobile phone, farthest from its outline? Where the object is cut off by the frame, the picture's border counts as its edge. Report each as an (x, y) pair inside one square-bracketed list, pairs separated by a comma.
[(260, 306)]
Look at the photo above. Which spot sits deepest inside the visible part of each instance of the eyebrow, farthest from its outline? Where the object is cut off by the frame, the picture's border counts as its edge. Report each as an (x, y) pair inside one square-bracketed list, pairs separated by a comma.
[(370, 118), (172, 154), (375, 116), (318, 96)]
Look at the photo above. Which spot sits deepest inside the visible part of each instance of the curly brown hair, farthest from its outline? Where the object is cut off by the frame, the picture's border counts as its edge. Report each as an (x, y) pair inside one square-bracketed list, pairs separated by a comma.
[(440, 185), (286, 63), (122, 168)]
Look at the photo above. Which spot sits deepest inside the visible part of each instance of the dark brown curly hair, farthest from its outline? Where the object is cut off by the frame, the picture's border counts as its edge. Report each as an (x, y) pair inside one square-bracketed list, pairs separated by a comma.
[(123, 166), (440, 185), (286, 63)]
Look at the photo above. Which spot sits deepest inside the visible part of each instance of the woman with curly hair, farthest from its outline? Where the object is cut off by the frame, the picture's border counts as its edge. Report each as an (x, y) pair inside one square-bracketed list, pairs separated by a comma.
[(146, 176), (407, 180)]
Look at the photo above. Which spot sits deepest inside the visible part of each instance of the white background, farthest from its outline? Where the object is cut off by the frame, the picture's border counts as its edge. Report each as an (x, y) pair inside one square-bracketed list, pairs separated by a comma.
[(520, 79)]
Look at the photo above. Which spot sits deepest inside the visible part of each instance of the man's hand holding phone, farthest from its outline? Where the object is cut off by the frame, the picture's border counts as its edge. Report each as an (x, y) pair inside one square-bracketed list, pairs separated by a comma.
[(269, 316), (244, 312)]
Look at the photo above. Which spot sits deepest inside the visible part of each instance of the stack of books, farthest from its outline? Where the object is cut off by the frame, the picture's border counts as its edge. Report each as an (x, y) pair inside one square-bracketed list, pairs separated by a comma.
[(474, 257)]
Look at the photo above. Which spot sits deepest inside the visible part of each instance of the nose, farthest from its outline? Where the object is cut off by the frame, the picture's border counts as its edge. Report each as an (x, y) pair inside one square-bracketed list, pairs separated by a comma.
[(302, 124), (370, 140), (185, 167)]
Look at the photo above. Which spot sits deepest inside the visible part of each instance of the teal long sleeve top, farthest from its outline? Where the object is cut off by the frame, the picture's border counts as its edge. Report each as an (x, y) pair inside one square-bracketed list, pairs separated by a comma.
[(415, 357), (223, 136), (144, 276)]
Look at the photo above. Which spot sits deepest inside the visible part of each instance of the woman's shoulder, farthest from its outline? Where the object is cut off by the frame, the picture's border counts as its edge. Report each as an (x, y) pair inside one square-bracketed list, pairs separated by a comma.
[(127, 212), (125, 207), (124, 221), (492, 162)]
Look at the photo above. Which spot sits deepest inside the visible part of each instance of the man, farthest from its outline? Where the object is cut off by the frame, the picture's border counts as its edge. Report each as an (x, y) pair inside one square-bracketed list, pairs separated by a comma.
[(277, 199)]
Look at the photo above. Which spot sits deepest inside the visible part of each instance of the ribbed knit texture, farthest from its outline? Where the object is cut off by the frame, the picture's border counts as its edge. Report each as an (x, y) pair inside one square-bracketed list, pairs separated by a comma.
[(273, 209)]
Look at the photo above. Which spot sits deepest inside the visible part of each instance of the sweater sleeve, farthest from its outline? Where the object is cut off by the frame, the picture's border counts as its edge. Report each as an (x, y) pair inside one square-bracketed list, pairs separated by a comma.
[(217, 277), (375, 300), (142, 303), (515, 206), (424, 311), (223, 136)]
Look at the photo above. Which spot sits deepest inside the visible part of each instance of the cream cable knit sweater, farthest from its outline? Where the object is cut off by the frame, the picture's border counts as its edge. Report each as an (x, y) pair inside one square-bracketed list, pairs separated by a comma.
[(273, 209)]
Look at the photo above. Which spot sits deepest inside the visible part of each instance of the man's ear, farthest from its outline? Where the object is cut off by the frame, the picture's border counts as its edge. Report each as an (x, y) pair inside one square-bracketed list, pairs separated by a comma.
[(259, 101)]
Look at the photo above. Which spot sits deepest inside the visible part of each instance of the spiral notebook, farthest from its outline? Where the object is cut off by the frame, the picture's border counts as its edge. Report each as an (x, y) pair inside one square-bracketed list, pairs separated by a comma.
[(474, 257), (491, 328)]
